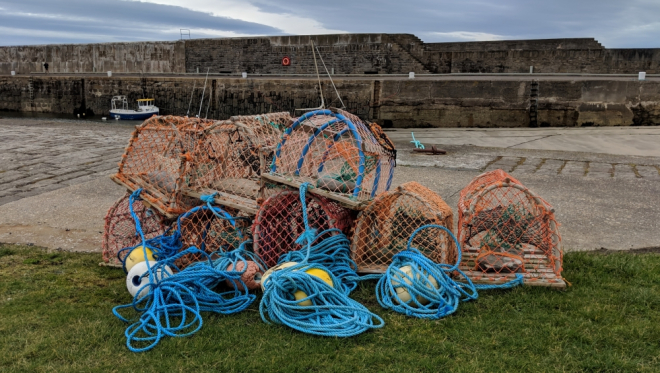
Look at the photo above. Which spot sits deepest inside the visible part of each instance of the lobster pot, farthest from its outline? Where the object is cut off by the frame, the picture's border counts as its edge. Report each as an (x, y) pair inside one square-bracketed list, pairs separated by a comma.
[(119, 230), (234, 153), (156, 158), (505, 229), (211, 229), (384, 227), (337, 153), (280, 222)]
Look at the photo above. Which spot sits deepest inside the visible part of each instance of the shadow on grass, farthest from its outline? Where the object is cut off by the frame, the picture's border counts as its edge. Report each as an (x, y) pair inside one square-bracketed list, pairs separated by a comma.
[(55, 315)]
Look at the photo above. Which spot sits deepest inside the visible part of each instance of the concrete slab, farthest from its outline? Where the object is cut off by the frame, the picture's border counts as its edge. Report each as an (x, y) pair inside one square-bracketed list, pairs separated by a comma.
[(69, 218), (634, 141)]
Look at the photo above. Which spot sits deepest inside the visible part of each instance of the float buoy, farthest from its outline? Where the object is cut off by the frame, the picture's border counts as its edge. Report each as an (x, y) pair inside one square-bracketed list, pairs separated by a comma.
[(137, 256), (251, 276), (402, 292), (270, 271), (316, 272), (286, 61), (135, 281)]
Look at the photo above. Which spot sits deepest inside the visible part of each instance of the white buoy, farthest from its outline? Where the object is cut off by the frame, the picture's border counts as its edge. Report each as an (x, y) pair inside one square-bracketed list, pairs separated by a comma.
[(404, 295), (135, 280)]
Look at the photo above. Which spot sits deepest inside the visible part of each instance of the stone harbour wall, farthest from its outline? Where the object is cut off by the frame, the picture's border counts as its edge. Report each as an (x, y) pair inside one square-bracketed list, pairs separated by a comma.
[(390, 102), (137, 57), (342, 53)]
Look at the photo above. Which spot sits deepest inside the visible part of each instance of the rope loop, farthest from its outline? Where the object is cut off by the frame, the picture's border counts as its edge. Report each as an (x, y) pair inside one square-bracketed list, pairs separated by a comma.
[(416, 286)]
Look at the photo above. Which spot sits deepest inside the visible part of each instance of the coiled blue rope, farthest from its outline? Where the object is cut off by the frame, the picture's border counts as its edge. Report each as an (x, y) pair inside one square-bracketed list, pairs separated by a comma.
[(432, 293), (332, 312), (173, 304), (333, 252)]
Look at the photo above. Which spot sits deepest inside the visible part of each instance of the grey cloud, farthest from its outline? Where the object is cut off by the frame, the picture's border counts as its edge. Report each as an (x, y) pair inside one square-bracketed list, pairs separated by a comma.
[(615, 23), (633, 23), (97, 20)]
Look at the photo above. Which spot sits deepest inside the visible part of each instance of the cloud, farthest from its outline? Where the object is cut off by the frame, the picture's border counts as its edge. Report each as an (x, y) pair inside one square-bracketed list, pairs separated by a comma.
[(283, 19), (633, 23), (463, 36), (78, 21)]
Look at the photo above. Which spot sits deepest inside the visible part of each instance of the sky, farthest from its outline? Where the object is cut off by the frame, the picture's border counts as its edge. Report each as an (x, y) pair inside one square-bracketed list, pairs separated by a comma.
[(614, 23)]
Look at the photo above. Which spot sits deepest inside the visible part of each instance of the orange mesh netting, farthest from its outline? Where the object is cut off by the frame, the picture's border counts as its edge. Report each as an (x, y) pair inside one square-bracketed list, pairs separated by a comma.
[(211, 229), (156, 158), (119, 231), (384, 227), (279, 222), (336, 151), (234, 153), (505, 229)]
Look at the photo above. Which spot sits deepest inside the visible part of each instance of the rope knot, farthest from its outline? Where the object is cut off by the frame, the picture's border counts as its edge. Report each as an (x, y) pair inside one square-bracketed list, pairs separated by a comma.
[(208, 198), (307, 236)]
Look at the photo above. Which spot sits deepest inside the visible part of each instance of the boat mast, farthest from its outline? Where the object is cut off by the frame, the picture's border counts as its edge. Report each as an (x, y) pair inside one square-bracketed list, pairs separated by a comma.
[(191, 97), (203, 91)]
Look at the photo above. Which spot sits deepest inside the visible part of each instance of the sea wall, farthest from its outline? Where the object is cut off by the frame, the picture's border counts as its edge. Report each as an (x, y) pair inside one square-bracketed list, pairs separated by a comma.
[(341, 53), (137, 57), (390, 102)]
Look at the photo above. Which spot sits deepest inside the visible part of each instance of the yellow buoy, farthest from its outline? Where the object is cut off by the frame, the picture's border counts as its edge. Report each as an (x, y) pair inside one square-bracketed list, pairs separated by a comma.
[(137, 255), (404, 295), (323, 275), (270, 271)]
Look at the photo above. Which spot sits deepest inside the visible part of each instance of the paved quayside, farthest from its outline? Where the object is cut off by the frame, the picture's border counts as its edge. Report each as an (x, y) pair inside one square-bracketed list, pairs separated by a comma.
[(603, 182)]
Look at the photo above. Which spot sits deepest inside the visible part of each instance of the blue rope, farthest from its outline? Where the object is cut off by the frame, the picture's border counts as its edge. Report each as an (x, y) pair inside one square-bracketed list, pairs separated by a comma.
[(332, 312), (173, 305), (432, 291), (333, 252), (183, 295), (162, 247), (418, 144), (241, 254)]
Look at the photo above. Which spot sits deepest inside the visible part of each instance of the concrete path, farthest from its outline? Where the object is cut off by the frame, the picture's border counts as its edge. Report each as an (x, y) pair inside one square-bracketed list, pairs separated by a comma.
[(640, 141), (604, 196)]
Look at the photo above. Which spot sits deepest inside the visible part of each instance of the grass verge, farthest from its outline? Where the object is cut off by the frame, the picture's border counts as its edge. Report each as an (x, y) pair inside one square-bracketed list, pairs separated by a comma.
[(55, 315)]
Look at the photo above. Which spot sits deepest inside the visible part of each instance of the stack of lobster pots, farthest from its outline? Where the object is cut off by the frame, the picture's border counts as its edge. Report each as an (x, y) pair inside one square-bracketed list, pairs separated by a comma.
[(219, 184)]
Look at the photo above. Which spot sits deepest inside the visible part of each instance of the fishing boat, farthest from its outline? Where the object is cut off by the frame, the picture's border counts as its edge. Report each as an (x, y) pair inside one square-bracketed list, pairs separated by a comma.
[(145, 109)]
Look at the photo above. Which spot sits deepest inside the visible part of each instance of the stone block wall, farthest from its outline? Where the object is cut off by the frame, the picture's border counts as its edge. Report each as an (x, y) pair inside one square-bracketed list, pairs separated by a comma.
[(346, 54), (500, 45), (343, 53), (502, 103), (390, 102), (146, 57)]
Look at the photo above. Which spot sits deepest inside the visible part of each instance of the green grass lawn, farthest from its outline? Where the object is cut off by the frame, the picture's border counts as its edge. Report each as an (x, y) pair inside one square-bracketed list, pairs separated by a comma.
[(55, 315)]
